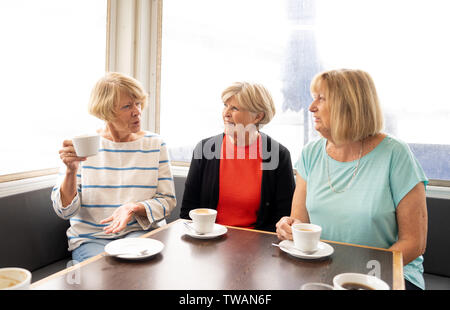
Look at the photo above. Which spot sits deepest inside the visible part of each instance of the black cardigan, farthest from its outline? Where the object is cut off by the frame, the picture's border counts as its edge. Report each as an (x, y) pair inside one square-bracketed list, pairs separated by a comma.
[(277, 188)]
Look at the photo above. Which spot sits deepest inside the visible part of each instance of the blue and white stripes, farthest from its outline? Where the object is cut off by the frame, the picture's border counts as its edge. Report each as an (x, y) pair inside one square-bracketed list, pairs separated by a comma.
[(120, 169), (118, 186), (120, 173), (128, 151)]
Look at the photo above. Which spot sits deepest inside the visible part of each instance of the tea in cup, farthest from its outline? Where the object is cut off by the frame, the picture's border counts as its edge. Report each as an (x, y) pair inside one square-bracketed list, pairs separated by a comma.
[(306, 236), (86, 145), (203, 219), (14, 278)]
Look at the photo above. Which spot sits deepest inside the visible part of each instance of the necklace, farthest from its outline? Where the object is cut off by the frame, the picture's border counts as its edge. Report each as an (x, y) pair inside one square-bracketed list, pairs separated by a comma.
[(353, 176)]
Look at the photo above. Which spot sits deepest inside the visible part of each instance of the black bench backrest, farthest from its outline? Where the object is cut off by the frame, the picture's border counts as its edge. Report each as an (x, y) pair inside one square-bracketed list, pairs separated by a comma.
[(31, 234)]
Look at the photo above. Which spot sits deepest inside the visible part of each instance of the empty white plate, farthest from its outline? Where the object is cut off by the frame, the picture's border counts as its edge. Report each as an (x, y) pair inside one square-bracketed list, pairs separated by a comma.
[(133, 248)]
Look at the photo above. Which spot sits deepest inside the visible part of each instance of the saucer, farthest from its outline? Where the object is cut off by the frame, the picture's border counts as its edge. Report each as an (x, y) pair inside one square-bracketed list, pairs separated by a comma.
[(134, 245), (217, 231), (323, 250)]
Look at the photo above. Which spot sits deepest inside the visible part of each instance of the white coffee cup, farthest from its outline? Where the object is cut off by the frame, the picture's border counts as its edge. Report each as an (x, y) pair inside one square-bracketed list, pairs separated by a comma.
[(306, 236), (14, 278), (346, 281), (203, 219), (86, 145)]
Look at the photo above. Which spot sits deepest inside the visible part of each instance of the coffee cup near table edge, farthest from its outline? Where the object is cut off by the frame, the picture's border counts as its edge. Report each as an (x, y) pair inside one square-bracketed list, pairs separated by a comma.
[(13, 278), (86, 145), (203, 219), (306, 236), (358, 281)]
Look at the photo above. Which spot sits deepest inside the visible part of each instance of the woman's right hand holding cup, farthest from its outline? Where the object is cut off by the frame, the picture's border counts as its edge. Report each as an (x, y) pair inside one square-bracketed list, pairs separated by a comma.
[(69, 157), (284, 229)]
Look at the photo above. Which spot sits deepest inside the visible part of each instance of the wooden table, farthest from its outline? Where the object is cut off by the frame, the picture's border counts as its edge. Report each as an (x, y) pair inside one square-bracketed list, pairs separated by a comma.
[(241, 259)]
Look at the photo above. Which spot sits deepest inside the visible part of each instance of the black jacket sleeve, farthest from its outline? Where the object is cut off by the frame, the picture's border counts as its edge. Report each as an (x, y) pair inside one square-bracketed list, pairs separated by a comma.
[(201, 189), (277, 191), (192, 188), (285, 185)]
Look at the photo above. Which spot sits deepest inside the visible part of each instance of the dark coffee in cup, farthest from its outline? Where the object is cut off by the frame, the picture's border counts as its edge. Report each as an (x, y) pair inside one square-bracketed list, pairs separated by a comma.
[(356, 286)]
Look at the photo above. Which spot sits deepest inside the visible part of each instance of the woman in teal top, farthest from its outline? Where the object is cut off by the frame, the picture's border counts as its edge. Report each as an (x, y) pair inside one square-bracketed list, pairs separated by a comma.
[(362, 186)]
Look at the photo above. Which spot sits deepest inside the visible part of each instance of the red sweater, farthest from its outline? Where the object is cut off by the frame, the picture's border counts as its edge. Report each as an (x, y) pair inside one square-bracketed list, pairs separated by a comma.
[(239, 184)]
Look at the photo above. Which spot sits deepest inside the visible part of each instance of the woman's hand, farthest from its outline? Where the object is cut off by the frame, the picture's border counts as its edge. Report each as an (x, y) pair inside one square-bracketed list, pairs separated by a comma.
[(284, 230), (69, 157), (120, 218), (72, 161)]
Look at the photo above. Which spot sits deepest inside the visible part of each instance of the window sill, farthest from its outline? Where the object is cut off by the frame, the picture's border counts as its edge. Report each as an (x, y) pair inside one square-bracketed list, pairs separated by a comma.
[(27, 185)]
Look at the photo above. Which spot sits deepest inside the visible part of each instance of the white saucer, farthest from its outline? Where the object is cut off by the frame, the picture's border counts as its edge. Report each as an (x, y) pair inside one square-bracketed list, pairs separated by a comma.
[(134, 245), (217, 231), (324, 250)]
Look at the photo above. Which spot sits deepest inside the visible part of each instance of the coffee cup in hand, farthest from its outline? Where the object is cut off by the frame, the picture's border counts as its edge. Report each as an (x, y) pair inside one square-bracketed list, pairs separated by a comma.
[(306, 236), (203, 219), (86, 145), (13, 278)]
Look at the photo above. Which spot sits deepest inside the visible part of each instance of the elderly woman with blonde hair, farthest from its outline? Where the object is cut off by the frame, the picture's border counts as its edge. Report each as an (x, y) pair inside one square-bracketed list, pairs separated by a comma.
[(361, 185), (127, 188), (242, 173)]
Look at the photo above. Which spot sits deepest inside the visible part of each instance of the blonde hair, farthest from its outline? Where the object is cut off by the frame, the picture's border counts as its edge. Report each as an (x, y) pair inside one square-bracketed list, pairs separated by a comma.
[(252, 97), (355, 111), (105, 95)]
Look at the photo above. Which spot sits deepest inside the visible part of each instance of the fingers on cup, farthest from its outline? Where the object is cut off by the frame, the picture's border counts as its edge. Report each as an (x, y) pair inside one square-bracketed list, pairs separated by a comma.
[(284, 232), (67, 143)]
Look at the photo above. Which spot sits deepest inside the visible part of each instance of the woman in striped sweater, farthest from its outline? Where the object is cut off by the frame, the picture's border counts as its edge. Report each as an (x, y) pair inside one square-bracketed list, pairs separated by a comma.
[(124, 190)]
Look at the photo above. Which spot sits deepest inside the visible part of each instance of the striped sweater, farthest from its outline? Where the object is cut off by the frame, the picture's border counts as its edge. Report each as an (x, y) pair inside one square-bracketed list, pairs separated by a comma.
[(121, 172)]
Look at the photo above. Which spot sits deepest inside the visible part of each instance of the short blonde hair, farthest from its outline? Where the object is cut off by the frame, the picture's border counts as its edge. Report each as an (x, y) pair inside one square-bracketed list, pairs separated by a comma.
[(355, 111), (252, 97), (105, 95)]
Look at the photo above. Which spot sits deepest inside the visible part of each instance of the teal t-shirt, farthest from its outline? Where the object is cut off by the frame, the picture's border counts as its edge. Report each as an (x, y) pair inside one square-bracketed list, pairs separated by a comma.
[(365, 213)]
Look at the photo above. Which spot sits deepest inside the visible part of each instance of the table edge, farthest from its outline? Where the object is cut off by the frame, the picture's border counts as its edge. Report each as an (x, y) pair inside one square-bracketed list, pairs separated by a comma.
[(398, 281)]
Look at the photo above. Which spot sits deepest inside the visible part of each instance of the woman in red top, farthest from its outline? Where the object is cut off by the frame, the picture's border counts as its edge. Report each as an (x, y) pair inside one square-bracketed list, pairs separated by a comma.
[(243, 173)]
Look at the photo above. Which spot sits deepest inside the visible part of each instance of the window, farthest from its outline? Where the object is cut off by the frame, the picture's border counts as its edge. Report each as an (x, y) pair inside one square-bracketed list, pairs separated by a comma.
[(206, 45), (52, 53)]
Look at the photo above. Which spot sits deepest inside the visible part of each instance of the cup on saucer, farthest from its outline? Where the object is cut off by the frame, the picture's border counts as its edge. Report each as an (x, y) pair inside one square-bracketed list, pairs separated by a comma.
[(203, 219), (358, 281), (306, 236)]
